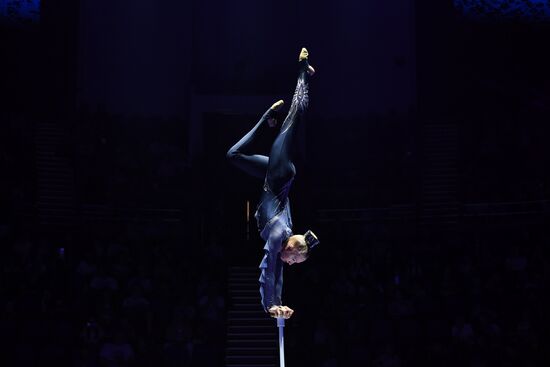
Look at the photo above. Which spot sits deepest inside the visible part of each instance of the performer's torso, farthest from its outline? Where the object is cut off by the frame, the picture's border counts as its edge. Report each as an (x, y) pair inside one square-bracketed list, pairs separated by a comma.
[(272, 204)]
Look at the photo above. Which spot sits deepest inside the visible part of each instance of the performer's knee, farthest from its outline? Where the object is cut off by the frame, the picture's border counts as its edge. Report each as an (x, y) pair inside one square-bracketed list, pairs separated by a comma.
[(232, 154)]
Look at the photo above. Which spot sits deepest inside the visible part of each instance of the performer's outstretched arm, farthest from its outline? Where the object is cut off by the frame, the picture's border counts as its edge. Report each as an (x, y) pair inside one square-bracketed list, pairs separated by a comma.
[(271, 276)]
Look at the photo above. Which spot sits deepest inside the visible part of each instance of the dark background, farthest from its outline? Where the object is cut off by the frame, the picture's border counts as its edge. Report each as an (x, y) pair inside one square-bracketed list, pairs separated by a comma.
[(421, 167)]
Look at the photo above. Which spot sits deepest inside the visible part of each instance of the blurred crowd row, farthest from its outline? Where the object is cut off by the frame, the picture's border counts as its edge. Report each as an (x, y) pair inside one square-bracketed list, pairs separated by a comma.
[(479, 302), (113, 299)]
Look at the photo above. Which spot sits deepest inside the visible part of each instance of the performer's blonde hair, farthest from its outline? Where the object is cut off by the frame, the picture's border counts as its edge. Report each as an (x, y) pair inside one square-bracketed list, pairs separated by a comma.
[(301, 244)]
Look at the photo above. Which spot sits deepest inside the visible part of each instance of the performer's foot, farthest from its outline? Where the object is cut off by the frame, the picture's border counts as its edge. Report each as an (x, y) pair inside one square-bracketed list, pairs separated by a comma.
[(304, 55), (277, 105), (272, 120)]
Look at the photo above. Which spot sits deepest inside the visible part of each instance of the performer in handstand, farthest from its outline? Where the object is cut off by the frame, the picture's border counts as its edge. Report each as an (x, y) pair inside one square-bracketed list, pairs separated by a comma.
[(273, 212)]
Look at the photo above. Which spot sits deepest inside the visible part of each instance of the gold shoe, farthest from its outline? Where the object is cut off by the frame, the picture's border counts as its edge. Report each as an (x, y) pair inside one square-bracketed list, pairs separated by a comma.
[(303, 54), (277, 105)]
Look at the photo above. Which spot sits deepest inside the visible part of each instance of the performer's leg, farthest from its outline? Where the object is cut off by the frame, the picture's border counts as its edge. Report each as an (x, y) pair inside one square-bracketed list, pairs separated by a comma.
[(240, 154), (280, 168)]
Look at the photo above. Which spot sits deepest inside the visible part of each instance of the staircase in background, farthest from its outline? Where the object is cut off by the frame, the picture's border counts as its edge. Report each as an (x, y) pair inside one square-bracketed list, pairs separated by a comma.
[(251, 333), (440, 176), (55, 177)]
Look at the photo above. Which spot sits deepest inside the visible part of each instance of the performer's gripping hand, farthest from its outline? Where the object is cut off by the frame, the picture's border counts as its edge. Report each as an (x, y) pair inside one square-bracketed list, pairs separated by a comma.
[(287, 312), (281, 311)]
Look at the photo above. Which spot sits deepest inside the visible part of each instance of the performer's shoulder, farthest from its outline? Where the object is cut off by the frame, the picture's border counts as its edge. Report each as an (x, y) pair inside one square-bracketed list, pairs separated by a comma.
[(278, 235)]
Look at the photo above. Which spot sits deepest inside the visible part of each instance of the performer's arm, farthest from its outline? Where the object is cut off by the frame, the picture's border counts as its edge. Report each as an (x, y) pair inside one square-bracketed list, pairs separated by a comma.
[(278, 282), (270, 287), (271, 278)]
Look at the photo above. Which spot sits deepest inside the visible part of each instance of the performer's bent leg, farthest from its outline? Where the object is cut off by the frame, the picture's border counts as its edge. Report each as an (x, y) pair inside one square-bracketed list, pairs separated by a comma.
[(240, 154), (280, 168)]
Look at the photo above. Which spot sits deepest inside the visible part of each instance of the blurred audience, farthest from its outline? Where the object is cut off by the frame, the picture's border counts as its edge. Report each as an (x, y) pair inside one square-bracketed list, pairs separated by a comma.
[(478, 305), (109, 303)]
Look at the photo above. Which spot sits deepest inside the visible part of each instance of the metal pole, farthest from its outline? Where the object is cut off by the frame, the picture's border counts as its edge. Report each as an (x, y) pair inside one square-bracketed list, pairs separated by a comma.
[(281, 325)]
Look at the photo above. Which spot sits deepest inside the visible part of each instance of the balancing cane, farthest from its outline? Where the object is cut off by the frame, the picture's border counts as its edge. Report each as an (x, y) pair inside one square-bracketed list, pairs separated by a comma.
[(281, 325)]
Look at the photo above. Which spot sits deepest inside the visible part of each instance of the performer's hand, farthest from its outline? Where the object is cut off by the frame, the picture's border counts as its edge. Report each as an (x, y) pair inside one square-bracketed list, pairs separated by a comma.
[(287, 312), (281, 311), (274, 311)]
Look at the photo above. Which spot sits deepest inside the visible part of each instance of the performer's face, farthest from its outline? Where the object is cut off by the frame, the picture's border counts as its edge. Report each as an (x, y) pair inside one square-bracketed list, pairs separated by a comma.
[(290, 254)]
